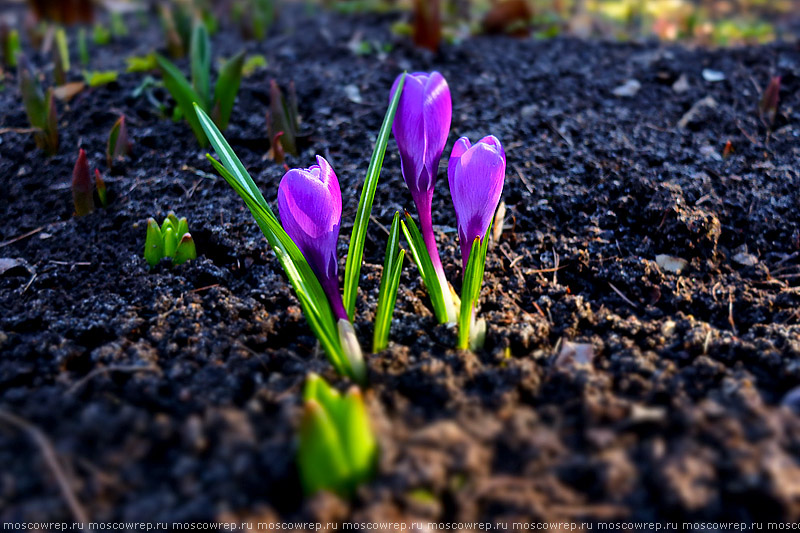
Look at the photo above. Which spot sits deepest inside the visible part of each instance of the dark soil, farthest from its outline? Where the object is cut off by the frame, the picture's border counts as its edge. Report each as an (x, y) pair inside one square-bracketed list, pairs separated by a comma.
[(174, 394)]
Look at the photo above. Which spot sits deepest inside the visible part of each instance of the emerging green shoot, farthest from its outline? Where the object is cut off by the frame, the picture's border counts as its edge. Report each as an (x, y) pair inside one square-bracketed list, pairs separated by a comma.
[(9, 46), (102, 192), (355, 254), (310, 293), (40, 108), (172, 240), (253, 63), (83, 47), (175, 44), (119, 144), (337, 449), (60, 57), (768, 106), (255, 17), (282, 121), (141, 63), (186, 94), (96, 78), (100, 35), (82, 196), (390, 280), (470, 294), (118, 27)]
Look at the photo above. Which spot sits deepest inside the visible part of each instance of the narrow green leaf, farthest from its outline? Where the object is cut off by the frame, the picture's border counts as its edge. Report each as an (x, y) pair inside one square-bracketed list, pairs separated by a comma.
[(230, 77), (468, 291), (200, 53), (183, 93), (425, 266), (60, 57), (32, 97), (50, 133), (83, 47), (387, 294), (154, 244), (230, 160), (355, 253)]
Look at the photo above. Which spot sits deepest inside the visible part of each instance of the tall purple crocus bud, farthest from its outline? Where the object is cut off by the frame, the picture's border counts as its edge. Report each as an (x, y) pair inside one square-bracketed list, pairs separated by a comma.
[(421, 127), (310, 207), (476, 174)]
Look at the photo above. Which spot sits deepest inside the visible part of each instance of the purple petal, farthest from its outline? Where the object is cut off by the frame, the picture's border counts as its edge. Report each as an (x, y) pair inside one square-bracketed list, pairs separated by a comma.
[(437, 113), (476, 182), (421, 127), (310, 209), (461, 146), (409, 130)]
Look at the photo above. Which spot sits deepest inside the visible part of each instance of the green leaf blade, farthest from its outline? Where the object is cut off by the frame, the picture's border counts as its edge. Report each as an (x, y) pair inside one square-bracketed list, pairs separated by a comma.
[(183, 93), (355, 253), (230, 78), (200, 52), (387, 294), (425, 266), (469, 290)]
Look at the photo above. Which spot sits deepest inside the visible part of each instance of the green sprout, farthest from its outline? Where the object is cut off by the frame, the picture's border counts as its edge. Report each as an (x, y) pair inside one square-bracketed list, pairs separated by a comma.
[(40, 108), (171, 240), (100, 35), (9, 45), (337, 449), (282, 121), (253, 63), (220, 104), (118, 27), (254, 17), (119, 144), (82, 186), (141, 63), (60, 57), (387, 294), (83, 47), (102, 193), (96, 78)]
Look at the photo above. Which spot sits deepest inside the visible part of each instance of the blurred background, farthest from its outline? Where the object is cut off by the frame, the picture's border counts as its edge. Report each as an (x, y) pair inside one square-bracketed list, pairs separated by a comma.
[(703, 22)]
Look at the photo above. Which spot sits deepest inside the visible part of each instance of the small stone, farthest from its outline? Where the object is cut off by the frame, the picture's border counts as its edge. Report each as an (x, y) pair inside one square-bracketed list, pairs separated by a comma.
[(670, 263), (713, 75), (629, 88), (681, 85)]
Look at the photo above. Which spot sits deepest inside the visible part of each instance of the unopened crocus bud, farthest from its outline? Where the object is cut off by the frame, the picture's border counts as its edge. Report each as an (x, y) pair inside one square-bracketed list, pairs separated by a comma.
[(476, 174), (310, 208), (421, 127)]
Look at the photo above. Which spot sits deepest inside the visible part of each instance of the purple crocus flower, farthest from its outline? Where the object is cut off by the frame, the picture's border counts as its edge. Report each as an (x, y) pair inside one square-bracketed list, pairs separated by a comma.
[(310, 208), (421, 126), (476, 174)]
